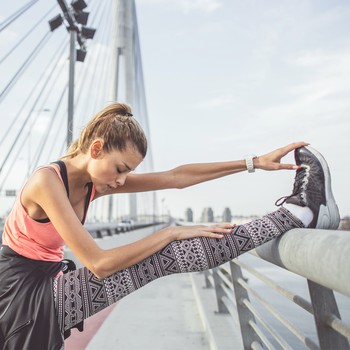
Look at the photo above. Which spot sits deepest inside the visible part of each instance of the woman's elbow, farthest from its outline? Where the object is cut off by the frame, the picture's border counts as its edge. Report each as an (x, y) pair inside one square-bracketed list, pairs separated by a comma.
[(98, 273), (101, 269), (181, 186)]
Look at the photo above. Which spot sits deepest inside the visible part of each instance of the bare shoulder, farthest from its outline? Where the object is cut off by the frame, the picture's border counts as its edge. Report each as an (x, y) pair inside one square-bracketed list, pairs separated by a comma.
[(43, 177), (43, 180), (42, 185)]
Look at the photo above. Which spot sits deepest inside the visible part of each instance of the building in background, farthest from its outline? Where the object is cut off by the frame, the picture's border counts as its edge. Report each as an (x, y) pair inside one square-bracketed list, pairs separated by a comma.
[(207, 215), (227, 215), (189, 215)]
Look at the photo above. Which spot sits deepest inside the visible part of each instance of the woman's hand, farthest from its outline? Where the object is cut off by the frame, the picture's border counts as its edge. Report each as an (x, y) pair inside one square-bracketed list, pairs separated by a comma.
[(272, 160), (186, 232)]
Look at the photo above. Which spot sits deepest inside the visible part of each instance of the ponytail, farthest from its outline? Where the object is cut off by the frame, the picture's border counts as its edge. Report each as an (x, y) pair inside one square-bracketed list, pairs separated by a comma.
[(118, 129)]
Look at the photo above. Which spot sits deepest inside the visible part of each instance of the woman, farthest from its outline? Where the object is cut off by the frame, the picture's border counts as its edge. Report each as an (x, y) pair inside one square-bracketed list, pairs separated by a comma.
[(39, 303)]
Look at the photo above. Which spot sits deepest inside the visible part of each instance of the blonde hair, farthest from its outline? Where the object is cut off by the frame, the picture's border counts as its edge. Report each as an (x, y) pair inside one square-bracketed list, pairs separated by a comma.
[(116, 127)]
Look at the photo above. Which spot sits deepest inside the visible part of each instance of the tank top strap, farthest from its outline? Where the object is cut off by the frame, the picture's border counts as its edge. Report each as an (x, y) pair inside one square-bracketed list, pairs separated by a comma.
[(63, 174), (88, 200)]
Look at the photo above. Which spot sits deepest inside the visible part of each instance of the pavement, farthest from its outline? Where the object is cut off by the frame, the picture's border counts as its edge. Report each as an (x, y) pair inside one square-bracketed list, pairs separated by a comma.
[(80, 340), (161, 315)]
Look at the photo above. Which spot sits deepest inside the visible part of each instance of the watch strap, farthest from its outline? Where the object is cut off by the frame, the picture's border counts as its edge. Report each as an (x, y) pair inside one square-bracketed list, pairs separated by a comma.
[(249, 163)]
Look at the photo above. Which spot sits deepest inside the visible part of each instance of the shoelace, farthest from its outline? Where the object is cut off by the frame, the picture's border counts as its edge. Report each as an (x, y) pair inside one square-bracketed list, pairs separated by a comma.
[(299, 180)]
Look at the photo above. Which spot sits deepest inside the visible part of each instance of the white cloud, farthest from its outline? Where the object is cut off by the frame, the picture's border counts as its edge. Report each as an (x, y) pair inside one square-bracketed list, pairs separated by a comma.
[(329, 71), (227, 100), (201, 5), (188, 6), (318, 58), (7, 37)]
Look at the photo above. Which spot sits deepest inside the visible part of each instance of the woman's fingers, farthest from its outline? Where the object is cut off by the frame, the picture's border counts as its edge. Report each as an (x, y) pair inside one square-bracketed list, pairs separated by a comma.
[(225, 225), (214, 231), (289, 166), (272, 160), (219, 230), (212, 235), (289, 148), (292, 146)]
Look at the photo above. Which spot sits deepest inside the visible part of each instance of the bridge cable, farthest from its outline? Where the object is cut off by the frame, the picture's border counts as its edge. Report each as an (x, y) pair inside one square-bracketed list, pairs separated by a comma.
[(26, 35), (60, 131), (46, 133), (101, 76), (50, 91), (44, 86), (107, 63), (57, 53), (17, 14), (18, 153), (26, 63), (82, 78)]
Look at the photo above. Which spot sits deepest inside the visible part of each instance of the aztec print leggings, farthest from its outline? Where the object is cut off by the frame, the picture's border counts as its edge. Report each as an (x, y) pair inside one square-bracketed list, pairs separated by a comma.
[(79, 294)]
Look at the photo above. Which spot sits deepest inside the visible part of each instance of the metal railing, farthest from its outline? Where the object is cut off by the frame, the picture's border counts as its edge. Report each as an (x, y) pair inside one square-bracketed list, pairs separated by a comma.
[(322, 258), (100, 230)]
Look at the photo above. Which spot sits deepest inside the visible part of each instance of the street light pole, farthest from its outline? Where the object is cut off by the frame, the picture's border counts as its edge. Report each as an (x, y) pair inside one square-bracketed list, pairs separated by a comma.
[(72, 56), (75, 23)]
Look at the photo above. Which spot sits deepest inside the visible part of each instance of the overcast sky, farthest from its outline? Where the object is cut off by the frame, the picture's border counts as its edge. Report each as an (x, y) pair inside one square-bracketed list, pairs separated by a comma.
[(229, 78), (226, 78)]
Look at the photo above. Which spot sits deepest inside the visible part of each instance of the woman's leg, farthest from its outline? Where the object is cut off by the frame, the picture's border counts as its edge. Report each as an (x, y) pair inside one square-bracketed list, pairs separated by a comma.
[(79, 294)]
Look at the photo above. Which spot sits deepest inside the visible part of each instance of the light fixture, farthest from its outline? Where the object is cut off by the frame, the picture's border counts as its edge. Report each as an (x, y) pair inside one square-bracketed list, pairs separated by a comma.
[(87, 32), (78, 5), (81, 54), (55, 22), (82, 17)]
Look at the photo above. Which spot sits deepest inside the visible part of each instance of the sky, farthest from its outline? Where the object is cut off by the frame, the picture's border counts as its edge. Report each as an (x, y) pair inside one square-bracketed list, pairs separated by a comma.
[(227, 78), (230, 78)]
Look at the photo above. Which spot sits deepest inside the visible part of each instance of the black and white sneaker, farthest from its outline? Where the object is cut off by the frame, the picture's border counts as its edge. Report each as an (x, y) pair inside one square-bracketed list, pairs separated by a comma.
[(312, 189)]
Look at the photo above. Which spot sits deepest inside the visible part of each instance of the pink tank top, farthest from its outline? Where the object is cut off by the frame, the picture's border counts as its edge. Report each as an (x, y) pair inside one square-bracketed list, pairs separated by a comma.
[(30, 238)]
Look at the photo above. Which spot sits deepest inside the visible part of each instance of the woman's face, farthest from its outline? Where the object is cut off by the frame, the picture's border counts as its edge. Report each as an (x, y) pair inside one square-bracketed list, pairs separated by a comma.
[(109, 170)]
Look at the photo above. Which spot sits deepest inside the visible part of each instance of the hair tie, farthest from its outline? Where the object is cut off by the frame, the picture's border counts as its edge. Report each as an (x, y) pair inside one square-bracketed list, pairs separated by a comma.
[(127, 114)]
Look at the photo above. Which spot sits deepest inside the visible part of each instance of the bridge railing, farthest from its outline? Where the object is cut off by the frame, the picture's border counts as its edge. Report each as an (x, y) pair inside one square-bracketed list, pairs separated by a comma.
[(322, 258), (100, 230)]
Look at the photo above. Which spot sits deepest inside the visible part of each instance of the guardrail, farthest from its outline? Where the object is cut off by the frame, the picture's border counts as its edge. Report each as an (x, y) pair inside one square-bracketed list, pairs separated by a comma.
[(100, 230), (320, 256)]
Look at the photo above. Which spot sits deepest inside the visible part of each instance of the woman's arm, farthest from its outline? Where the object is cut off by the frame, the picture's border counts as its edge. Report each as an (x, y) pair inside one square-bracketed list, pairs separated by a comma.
[(180, 177), (192, 174), (47, 191)]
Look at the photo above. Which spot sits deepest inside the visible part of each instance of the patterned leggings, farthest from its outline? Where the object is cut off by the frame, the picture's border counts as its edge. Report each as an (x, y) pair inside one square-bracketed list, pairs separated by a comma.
[(79, 294)]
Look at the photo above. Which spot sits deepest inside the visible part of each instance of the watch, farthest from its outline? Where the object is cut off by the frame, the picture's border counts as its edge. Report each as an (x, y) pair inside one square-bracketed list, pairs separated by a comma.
[(249, 163)]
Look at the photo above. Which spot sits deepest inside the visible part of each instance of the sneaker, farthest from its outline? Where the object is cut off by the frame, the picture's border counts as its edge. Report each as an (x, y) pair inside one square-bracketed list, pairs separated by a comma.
[(312, 189)]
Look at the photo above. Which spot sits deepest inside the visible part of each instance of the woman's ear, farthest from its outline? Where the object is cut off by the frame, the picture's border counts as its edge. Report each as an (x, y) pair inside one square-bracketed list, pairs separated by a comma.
[(96, 148)]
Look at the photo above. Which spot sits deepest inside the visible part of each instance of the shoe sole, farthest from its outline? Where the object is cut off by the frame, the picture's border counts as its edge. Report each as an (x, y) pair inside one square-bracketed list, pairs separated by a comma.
[(328, 216)]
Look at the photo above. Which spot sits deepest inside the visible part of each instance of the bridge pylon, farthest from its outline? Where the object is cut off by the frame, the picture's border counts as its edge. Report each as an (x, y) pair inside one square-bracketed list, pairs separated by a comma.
[(127, 84)]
